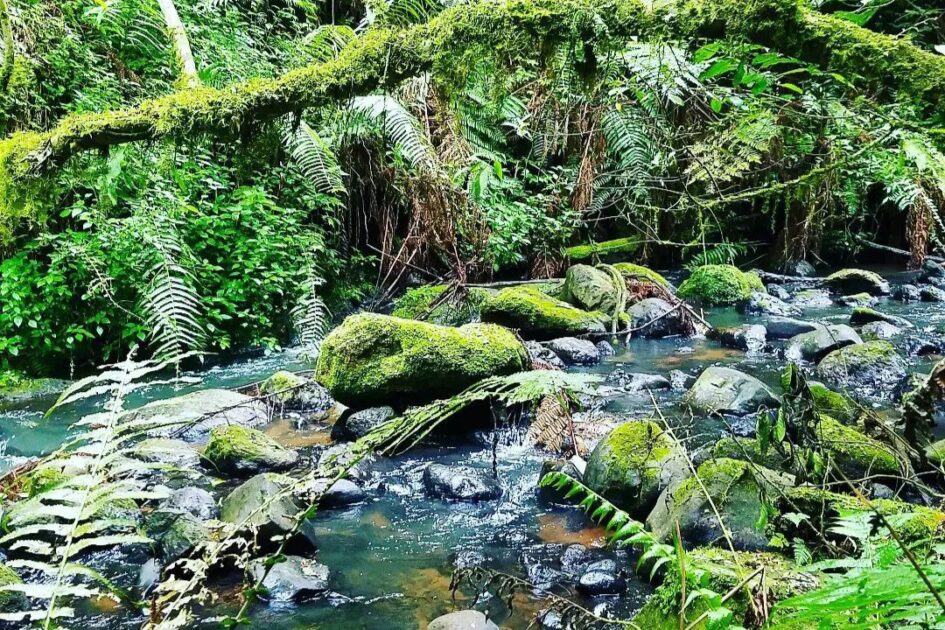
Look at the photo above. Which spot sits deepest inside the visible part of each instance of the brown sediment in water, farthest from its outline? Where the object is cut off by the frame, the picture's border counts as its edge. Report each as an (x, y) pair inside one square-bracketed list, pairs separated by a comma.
[(704, 354), (429, 589), (555, 529), (283, 431), (376, 519)]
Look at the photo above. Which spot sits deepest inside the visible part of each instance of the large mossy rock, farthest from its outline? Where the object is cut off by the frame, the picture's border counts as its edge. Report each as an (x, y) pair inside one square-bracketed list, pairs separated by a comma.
[(850, 281), (720, 285), (192, 416), (264, 503), (633, 464), (813, 346), (854, 453), (372, 359), (872, 369), (631, 271), (863, 315), (737, 489), (727, 391), (589, 288), (540, 316), (833, 404), (427, 303), (243, 452)]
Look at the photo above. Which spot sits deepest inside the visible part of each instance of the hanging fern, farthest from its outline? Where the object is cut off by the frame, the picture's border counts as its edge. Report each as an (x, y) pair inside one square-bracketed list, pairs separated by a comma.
[(317, 160), (400, 126), (310, 317)]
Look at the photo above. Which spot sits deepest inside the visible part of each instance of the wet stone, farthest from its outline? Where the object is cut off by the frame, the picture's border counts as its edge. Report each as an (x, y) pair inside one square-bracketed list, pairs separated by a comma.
[(193, 500), (460, 483), (462, 620), (342, 493), (787, 327), (360, 423), (932, 294), (574, 351), (605, 349), (907, 293), (541, 354), (293, 580), (575, 559)]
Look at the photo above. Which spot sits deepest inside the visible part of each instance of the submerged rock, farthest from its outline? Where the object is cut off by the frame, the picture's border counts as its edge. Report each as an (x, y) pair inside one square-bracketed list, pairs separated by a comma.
[(360, 423), (873, 368), (460, 483), (296, 392), (728, 391), (787, 327), (239, 451), (538, 315), (293, 579), (848, 281), (761, 303), (737, 490), (748, 337), (574, 351), (720, 285), (462, 620), (633, 464), (589, 288), (191, 416), (814, 345), (654, 317), (371, 359)]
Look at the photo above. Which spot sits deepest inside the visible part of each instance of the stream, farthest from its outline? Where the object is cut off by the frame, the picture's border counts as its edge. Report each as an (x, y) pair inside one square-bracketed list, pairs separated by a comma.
[(391, 556)]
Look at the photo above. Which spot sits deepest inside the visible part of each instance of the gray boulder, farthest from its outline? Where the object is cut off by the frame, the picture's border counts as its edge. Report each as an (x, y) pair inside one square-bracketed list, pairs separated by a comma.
[(872, 369), (196, 501), (294, 391), (191, 417), (654, 317), (932, 270), (264, 503), (760, 303), (813, 298), (342, 493), (175, 533), (814, 345), (590, 289), (778, 291), (605, 348), (787, 327), (574, 351), (728, 391), (462, 620), (541, 354), (175, 453), (460, 483), (748, 337), (879, 330), (637, 381), (360, 423), (857, 299), (293, 579), (907, 293)]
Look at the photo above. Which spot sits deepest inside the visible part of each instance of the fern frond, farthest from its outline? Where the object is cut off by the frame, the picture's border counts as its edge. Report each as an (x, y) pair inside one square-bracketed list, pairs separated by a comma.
[(316, 160), (400, 126), (310, 317)]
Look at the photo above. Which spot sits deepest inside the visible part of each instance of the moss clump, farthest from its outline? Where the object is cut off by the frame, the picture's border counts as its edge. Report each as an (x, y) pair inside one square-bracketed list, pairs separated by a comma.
[(850, 281), (10, 600), (43, 479), (416, 303), (833, 404), (633, 464), (281, 385), (240, 450), (720, 285), (539, 315), (373, 359), (853, 453), (17, 386), (603, 249), (746, 449), (639, 272)]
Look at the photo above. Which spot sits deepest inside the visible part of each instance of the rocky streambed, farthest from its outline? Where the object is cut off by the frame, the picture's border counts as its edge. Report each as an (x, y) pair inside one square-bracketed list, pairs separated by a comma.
[(680, 392)]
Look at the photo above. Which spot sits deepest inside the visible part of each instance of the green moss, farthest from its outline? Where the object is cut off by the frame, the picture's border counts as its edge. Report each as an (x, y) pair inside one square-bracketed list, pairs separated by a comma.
[(235, 442), (639, 272), (537, 314), (373, 359), (720, 285), (603, 249), (854, 453), (833, 404), (17, 386), (861, 355), (746, 449), (10, 600), (416, 303), (281, 385), (849, 281), (42, 479)]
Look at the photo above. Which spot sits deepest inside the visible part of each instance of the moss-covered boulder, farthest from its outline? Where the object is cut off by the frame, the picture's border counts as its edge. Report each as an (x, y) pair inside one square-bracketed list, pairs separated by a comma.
[(850, 281), (10, 601), (833, 404), (720, 285), (427, 303), (243, 452), (816, 344), (294, 391), (872, 369), (854, 453), (633, 464), (589, 288), (737, 489), (540, 316), (863, 315), (746, 449), (373, 359), (632, 271), (727, 391)]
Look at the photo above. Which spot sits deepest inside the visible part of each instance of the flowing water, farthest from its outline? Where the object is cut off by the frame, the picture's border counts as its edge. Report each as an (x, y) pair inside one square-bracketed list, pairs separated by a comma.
[(391, 557)]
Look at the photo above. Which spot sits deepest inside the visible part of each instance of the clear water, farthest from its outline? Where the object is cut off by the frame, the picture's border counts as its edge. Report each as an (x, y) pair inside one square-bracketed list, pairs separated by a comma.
[(393, 555)]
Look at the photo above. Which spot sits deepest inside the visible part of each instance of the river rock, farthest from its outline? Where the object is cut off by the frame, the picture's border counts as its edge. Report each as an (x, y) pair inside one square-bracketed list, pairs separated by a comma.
[(574, 351), (252, 503), (175, 453), (460, 483), (637, 381), (863, 315), (358, 424), (813, 298), (833, 404), (654, 317), (538, 315), (601, 578), (748, 337), (679, 380), (720, 285), (196, 501), (799, 268), (342, 493), (728, 391), (371, 359), (462, 620), (932, 294), (787, 327), (814, 345), (191, 417), (589, 288), (633, 464), (175, 532), (761, 303), (243, 452), (924, 346), (879, 330), (550, 494), (857, 299), (778, 291), (855, 454), (540, 354), (293, 391), (907, 293), (848, 281), (575, 559), (293, 579), (736, 489), (932, 270), (873, 368), (605, 348)]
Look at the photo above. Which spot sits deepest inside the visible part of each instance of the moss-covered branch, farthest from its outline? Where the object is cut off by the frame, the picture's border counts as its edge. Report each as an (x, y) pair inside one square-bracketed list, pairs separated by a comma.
[(512, 29)]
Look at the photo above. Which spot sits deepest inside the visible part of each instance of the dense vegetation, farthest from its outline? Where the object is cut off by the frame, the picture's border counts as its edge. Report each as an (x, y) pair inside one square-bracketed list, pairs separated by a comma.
[(179, 179)]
